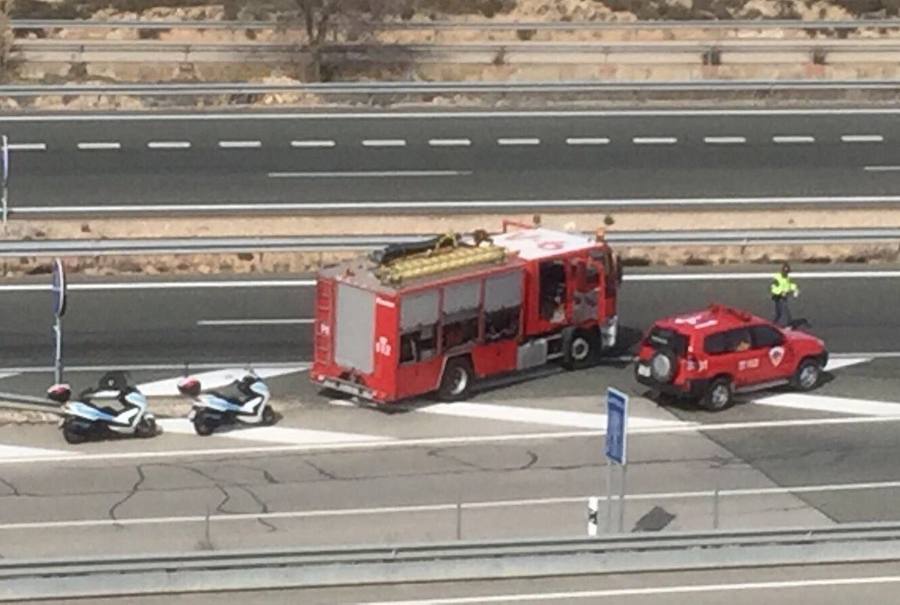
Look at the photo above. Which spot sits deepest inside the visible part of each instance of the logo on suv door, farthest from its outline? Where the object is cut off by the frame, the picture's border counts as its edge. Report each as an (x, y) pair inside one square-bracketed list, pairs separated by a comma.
[(776, 355)]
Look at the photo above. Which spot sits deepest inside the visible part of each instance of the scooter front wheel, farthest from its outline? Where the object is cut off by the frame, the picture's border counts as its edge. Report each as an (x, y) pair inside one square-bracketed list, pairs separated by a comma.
[(203, 426), (146, 428)]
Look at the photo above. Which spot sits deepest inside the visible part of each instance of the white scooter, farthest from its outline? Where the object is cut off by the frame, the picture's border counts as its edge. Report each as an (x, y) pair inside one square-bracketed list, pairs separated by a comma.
[(212, 410), (83, 419)]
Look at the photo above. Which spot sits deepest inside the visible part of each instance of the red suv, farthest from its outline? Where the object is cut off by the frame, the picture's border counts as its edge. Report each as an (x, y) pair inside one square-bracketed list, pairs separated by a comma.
[(710, 355)]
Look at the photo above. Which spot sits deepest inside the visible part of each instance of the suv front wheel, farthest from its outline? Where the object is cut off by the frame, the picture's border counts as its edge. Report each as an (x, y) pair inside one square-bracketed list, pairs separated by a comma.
[(719, 395), (808, 374)]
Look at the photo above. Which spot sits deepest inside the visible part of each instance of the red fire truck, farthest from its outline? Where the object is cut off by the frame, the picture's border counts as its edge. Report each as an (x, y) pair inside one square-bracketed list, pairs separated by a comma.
[(436, 316)]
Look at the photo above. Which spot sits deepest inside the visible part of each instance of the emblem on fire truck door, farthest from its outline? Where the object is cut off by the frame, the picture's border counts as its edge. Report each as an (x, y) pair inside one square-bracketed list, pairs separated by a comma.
[(383, 347), (324, 329), (776, 355)]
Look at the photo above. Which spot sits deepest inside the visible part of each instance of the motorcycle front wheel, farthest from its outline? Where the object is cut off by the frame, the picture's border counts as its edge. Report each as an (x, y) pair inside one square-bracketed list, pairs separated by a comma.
[(268, 416)]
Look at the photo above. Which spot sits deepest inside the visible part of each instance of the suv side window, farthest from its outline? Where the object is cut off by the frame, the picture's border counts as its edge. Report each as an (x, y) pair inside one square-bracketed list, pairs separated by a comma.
[(716, 344), (765, 337), (738, 340)]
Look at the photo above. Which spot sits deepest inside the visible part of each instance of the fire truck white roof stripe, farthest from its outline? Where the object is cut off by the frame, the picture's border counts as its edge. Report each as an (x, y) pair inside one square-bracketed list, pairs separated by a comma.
[(541, 242)]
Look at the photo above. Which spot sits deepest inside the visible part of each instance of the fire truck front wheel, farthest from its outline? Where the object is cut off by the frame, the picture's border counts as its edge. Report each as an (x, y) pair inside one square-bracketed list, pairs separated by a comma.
[(457, 380), (581, 350)]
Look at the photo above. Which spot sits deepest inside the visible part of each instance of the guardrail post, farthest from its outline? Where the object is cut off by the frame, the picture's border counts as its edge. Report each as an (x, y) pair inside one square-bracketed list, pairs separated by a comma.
[(5, 185), (458, 519), (716, 508)]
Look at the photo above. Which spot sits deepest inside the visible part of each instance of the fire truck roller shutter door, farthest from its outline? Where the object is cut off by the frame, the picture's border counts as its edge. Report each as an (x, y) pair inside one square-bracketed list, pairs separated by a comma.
[(355, 329), (502, 306), (418, 319), (460, 314)]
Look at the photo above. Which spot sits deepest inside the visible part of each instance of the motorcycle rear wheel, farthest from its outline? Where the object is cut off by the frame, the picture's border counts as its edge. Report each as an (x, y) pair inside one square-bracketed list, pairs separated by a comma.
[(146, 428), (202, 425)]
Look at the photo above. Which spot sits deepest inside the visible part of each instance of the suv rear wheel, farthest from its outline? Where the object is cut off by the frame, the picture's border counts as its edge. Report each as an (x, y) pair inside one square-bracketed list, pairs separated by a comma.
[(808, 374), (719, 395)]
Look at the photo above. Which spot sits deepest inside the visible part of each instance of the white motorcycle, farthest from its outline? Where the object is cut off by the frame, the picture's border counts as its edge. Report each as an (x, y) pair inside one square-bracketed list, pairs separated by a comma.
[(83, 419), (212, 410)]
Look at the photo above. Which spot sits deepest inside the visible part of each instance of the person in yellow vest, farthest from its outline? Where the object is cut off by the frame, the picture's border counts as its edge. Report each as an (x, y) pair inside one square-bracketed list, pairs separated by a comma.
[(783, 287)]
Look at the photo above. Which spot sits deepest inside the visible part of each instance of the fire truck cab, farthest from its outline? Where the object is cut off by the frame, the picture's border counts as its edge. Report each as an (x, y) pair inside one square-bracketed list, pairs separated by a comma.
[(437, 316)]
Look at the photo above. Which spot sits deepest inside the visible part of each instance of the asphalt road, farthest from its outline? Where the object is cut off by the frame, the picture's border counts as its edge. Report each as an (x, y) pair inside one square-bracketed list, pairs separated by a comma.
[(370, 159), (125, 322)]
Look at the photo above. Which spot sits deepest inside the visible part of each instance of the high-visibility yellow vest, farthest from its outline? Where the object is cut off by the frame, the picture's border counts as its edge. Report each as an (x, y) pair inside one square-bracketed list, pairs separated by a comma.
[(782, 285)]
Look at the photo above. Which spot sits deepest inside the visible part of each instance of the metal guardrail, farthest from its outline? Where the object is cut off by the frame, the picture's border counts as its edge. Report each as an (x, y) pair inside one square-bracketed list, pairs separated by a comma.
[(712, 52), (428, 88), (313, 243), (476, 25), (404, 563)]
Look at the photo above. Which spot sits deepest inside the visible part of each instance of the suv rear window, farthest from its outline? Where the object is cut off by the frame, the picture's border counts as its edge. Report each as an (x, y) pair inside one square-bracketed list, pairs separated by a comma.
[(661, 338)]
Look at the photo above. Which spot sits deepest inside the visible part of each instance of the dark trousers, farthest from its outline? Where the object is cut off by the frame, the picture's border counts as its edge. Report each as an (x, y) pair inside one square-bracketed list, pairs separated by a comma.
[(782, 311)]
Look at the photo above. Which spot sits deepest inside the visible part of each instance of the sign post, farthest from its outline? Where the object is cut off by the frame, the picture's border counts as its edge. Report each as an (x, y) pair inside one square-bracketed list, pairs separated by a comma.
[(59, 309), (4, 153), (616, 450)]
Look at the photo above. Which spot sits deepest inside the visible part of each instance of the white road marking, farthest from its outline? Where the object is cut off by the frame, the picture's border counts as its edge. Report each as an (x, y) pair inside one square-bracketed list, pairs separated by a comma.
[(789, 139), (99, 145), (587, 141), (169, 145), (4, 375), (449, 142), (414, 115), (837, 363), (837, 405), (619, 593), (724, 140), (519, 141), (368, 174), (240, 144), (472, 204), (313, 144), (442, 506), (12, 453), (384, 143), (28, 147), (459, 441), (881, 168), (862, 138), (273, 434), (253, 322), (654, 140), (150, 367), (486, 411)]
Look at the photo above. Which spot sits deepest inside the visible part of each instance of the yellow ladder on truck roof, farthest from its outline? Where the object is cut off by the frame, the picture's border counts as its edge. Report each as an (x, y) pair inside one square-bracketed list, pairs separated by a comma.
[(439, 260)]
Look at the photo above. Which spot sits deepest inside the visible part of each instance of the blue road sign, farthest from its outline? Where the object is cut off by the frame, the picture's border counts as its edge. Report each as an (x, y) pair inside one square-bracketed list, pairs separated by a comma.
[(616, 426), (59, 288)]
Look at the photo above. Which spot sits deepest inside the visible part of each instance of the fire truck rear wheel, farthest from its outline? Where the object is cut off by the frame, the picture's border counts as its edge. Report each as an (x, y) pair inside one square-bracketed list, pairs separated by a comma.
[(457, 380), (582, 350)]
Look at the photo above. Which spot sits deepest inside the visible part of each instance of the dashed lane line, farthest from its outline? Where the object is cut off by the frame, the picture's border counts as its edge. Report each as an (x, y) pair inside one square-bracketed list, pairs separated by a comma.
[(368, 174), (384, 143), (99, 145), (27, 147), (862, 138), (449, 142), (516, 142), (793, 139), (654, 140), (169, 145), (240, 144), (724, 140), (581, 141), (313, 144)]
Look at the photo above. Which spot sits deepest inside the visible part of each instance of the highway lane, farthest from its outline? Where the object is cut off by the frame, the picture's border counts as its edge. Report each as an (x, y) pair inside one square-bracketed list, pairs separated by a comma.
[(449, 157), (127, 324)]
